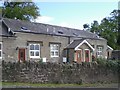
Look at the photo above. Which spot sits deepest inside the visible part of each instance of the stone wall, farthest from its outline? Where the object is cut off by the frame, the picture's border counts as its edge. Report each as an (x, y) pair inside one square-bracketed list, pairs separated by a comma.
[(37, 72)]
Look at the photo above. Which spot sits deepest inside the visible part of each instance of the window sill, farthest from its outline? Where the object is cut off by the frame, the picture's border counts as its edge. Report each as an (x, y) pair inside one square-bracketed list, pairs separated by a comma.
[(54, 56), (35, 57)]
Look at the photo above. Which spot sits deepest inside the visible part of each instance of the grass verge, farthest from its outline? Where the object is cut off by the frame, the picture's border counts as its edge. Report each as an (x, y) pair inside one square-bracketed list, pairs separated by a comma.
[(17, 84)]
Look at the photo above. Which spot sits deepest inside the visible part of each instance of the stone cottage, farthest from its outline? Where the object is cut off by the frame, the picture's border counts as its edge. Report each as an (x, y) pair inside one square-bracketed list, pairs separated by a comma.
[(24, 41)]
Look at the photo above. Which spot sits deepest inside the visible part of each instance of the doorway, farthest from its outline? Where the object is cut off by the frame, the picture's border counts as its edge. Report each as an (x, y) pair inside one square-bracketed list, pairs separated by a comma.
[(87, 55), (79, 55), (21, 54)]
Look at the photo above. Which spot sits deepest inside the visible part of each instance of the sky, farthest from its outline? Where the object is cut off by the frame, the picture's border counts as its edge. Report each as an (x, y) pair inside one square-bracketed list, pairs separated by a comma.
[(74, 14)]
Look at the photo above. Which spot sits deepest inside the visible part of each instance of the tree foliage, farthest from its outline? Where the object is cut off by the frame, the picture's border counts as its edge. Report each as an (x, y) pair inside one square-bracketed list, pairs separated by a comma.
[(108, 29), (95, 27), (86, 27), (0, 10), (20, 10)]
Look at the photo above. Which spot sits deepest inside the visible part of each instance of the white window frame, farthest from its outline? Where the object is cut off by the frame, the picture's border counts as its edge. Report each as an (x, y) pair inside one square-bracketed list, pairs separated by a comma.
[(54, 55), (34, 50), (99, 51), (1, 50)]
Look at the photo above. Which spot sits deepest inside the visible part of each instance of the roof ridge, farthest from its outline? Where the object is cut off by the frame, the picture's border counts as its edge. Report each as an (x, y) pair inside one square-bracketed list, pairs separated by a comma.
[(80, 39)]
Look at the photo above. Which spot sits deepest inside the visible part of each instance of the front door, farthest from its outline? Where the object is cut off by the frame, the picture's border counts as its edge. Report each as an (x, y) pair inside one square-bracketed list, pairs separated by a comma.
[(21, 54), (87, 55), (78, 53)]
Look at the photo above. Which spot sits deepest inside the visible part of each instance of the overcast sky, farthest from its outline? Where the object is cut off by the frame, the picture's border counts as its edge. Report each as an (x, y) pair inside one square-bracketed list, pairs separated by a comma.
[(74, 14)]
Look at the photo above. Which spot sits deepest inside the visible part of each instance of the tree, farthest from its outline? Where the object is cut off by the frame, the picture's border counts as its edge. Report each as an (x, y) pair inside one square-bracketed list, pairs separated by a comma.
[(118, 40), (86, 27), (0, 10), (108, 29), (20, 10), (95, 27)]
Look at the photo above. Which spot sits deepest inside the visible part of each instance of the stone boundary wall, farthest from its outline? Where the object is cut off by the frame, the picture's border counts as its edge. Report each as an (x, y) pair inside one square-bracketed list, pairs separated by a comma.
[(36, 72)]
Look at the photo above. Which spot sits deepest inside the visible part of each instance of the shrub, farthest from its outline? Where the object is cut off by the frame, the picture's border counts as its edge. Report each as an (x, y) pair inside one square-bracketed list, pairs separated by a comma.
[(110, 64), (79, 82), (101, 62)]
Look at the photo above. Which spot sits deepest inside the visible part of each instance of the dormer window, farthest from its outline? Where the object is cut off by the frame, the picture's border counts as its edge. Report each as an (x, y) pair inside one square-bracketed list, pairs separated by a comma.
[(75, 34), (60, 32), (24, 28)]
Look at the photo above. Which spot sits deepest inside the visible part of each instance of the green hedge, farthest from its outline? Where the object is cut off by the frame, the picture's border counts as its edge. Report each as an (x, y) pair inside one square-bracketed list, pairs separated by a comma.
[(111, 64)]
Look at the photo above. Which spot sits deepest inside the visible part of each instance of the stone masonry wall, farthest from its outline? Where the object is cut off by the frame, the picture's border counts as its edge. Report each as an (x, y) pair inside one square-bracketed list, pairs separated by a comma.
[(37, 72)]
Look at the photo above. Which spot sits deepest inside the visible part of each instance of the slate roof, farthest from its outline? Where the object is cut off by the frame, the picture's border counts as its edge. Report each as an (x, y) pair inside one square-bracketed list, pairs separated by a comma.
[(3, 31), (0, 28), (75, 43), (40, 28)]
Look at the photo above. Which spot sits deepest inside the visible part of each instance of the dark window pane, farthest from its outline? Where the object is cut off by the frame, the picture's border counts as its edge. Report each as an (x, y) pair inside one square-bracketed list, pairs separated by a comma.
[(56, 53), (21, 54), (52, 53), (0, 54), (36, 47), (31, 47), (0, 47), (31, 53), (37, 54), (57, 47)]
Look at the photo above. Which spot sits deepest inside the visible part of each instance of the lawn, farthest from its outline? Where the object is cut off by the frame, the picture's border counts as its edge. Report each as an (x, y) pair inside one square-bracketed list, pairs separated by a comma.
[(16, 84)]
